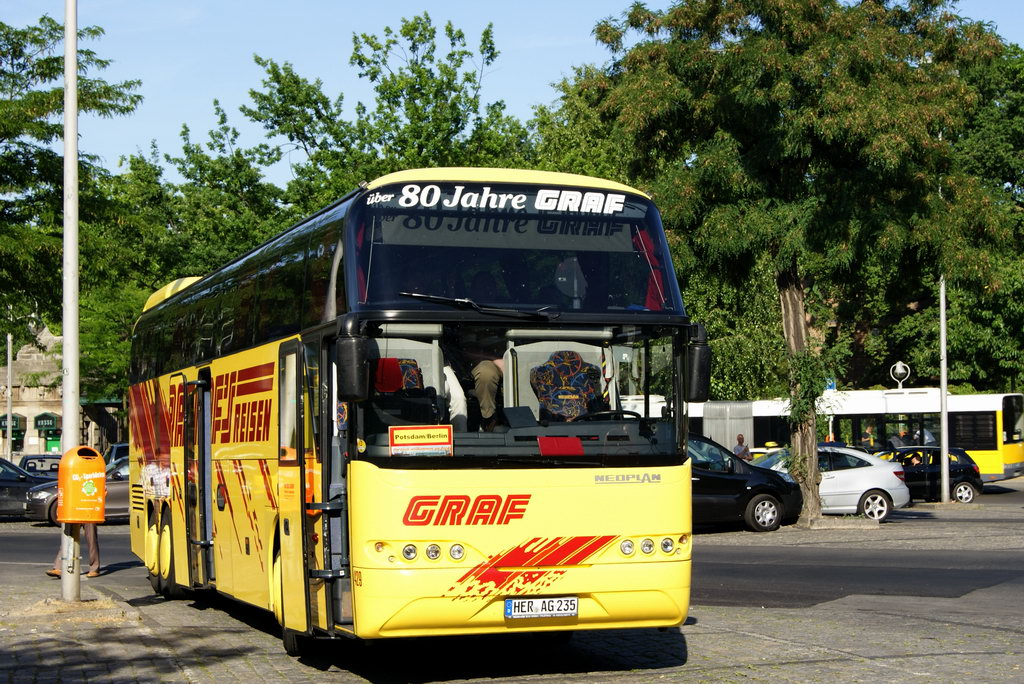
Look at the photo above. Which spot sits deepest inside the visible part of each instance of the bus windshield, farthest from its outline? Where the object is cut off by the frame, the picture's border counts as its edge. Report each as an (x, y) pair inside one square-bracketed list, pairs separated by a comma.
[(602, 394), (520, 247)]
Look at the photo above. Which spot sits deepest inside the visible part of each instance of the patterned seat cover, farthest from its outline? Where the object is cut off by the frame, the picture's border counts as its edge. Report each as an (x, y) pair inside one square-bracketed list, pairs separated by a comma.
[(566, 387), (393, 375)]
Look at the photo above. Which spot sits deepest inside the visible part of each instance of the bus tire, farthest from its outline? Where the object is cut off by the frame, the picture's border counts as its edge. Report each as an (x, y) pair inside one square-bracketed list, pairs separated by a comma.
[(964, 492), (875, 504), (168, 584), (294, 642), (152, 552), (764, 513)]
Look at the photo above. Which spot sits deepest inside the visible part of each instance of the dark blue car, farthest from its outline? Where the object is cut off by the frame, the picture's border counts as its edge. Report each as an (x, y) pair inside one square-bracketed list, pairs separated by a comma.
[(923, 469)]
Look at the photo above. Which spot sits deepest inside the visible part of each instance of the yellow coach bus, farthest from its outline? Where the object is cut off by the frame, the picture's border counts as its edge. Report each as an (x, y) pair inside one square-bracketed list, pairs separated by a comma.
[(404, 416)]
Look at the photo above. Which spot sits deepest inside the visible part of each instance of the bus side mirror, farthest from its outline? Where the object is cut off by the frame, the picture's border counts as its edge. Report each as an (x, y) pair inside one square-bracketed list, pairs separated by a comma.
[(353, 374), (698, 366)]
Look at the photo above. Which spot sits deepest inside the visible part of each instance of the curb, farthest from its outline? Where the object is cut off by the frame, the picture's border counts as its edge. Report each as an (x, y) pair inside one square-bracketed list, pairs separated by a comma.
[(952, 505), (830, 522)]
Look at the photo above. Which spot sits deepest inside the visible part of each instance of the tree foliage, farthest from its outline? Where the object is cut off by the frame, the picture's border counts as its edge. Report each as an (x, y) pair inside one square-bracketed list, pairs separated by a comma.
[(31, 171), (427, 111), (818, 164), (816, 136)]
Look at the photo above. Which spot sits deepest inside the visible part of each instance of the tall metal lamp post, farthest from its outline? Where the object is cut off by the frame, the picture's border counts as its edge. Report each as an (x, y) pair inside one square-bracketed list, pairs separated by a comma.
[(70, 583)]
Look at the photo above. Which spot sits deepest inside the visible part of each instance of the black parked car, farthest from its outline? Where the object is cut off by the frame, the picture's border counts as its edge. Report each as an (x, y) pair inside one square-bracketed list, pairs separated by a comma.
[(41, 500), (923, 471), (728, 489), (14, 486), (40, 464)]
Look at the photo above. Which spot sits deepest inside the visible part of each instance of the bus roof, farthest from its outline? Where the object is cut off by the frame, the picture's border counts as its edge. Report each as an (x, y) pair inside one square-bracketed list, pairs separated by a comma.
[(169, 290), (471, 174)]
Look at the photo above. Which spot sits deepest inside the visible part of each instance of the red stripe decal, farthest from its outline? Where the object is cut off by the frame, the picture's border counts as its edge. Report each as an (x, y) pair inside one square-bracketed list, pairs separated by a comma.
[(510, 571), (254, 387), (262, 370)]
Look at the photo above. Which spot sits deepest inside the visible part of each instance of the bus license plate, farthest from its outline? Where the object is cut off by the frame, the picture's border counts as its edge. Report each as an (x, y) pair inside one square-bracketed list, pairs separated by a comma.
[(542, 607)]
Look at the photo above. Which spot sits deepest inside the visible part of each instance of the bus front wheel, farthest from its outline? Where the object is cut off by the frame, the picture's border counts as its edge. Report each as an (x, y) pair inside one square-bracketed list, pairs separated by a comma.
[(294, 642)]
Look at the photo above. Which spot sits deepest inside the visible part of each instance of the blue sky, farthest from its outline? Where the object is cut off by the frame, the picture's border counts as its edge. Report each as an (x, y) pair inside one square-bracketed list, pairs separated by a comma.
[(188, 52)]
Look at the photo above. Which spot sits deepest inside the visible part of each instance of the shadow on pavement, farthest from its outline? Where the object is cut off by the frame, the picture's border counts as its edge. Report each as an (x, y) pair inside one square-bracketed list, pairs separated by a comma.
[(468, 657), (997, 489)]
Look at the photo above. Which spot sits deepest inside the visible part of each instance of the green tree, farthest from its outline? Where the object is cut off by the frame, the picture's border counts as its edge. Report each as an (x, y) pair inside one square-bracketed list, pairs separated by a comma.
[(427, 111), (225, 206), (31, 171), (815, 135), (574, 136)]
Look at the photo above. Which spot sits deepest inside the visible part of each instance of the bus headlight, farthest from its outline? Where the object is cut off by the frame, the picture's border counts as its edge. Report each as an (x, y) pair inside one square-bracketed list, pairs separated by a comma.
[(409, 551), (456, 552), (433, 551), (626, 547), (667, 545), (647, 546)]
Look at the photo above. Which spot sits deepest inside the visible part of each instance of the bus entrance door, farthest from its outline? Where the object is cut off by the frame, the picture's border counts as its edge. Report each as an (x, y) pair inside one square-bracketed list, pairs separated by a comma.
[(198, 469), (290, 584)]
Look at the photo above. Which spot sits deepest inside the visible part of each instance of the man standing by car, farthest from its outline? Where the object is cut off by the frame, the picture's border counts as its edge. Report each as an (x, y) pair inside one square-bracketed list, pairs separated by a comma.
[(741, 450)]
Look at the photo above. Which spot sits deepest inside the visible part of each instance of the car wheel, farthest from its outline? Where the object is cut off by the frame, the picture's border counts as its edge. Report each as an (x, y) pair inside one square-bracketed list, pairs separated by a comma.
[(964, 492), (763, 514), (51, 513), (875, 504)]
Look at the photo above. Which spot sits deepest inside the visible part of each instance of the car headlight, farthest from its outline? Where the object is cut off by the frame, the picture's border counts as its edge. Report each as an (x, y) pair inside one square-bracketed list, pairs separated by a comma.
[(38, 496), (787, 477)]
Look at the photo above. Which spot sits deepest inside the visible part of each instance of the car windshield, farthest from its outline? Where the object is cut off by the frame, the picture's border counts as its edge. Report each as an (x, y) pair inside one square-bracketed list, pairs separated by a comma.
[(770, 460)]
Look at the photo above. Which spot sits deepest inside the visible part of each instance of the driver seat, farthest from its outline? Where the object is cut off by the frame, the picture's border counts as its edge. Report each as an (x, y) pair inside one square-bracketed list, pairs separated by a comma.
[(567, 387)]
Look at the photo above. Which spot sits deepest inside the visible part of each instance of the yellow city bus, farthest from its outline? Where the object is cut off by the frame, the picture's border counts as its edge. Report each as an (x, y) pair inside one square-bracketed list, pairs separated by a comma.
[(403, 416), (990, 427)]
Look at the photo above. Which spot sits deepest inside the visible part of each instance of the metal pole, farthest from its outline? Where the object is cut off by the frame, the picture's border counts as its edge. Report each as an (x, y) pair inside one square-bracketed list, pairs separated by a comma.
[(10, 398), (70, 581), (943, 387)]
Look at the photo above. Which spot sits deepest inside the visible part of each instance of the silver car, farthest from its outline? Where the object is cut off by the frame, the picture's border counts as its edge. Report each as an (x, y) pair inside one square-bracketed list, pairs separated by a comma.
[(42, 499), (852, 481)]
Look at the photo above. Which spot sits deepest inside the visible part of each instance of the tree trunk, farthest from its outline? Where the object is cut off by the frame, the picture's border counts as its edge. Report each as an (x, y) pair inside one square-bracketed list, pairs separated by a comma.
[(804, 466)]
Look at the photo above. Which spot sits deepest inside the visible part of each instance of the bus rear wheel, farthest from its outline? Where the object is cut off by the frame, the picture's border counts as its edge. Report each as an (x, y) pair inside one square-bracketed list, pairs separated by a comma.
[(168, 584), (152, 551)]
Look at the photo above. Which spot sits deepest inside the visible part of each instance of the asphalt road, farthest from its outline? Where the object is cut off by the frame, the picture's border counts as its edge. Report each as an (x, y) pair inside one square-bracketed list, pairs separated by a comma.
[(778, 576), (934, 595)]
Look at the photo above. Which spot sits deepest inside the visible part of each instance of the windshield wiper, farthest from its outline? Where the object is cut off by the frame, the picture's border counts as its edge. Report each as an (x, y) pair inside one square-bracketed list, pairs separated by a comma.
[(546, 312)]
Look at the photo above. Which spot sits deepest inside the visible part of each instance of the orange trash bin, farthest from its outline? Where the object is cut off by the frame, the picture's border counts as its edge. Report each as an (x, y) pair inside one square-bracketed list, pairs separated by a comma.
[(81, 486)]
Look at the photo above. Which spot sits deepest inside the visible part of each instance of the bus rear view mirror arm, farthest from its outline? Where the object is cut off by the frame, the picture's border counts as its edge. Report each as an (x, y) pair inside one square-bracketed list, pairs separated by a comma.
[(698, 365)]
